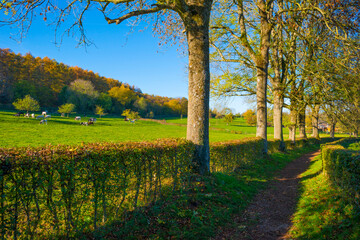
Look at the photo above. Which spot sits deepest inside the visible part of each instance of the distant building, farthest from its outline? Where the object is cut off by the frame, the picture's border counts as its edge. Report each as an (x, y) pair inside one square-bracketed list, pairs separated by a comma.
[(324, 126)]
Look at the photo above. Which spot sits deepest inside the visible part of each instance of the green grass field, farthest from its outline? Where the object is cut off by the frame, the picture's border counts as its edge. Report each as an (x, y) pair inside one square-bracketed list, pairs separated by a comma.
[(20, 131)]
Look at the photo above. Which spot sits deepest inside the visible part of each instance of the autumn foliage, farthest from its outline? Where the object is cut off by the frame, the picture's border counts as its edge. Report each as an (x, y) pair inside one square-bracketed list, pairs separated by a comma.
[(54, 84)]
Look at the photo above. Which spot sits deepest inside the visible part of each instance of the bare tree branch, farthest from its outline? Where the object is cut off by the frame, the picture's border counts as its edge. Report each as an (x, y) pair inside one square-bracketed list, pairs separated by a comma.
[(136, 13)]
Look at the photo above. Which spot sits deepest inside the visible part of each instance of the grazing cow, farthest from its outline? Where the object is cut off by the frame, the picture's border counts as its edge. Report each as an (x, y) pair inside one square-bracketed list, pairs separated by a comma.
[(90, 123), (18, 114), (39, 116), (33, 115), (27, 115), (44, 121), (84, 123), (92, 120), (47, 116), (78, 118)]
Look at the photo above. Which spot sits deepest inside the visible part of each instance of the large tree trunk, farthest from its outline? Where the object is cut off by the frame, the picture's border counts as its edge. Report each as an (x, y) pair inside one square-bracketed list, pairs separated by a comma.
[(332, 123), (293, 106), (292, 126), (261, 60), (278, 117), (356, 134), (302, 127), (332, 129), (261, 116), (315, 121), (197, 28), (277, 83), (262, 63), (293, 93)]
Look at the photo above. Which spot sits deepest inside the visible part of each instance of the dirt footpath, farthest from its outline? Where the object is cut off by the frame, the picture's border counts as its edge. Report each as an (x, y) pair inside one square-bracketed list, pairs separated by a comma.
[(268, 216)]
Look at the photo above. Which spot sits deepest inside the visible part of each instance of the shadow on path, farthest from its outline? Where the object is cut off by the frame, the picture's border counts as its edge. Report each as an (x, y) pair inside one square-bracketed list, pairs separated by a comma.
[(269, 215)]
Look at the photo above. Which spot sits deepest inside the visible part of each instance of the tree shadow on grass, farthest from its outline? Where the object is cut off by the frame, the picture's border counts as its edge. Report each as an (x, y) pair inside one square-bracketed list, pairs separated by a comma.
[(195, 212), (313, 175), (327, 215), (247, 126), (75, 123), (324, 211), (62, 122)]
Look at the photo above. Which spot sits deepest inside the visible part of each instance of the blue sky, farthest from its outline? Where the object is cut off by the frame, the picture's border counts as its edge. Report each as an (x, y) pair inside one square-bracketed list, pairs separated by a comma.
[(135, 58)]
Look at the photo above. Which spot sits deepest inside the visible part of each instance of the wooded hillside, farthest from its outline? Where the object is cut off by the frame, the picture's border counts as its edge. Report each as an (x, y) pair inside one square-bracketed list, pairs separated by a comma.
[(52, 84)]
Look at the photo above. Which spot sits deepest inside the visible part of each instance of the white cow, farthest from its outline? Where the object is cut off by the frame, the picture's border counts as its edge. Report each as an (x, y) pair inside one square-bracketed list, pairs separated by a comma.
[(77, 118), (33, 115)]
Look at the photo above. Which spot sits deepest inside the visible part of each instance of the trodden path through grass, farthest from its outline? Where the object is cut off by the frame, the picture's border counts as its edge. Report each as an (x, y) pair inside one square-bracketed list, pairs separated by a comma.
[(269, 215)]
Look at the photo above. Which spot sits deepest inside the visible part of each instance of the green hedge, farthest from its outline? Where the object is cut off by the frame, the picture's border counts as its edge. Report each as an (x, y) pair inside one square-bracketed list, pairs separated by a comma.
[(63, 190), (53, 191), (232, 155), (343, 168), (228, 156), (345, 142)]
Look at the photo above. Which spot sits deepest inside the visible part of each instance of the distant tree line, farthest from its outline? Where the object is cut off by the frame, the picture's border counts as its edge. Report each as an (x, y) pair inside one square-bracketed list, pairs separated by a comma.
[(54, 84)]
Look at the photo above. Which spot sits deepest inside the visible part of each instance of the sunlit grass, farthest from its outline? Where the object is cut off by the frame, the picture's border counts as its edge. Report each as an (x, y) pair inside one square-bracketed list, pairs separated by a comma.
[(322, 212), (20, 131)]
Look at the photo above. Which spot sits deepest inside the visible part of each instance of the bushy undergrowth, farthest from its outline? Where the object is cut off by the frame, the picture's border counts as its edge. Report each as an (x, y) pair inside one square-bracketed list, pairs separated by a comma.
[(323, 212), (68, 191)]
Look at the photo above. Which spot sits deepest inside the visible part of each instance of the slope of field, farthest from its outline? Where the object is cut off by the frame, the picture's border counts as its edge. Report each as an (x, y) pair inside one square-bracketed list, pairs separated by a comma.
[(239, 125), (20, 131)]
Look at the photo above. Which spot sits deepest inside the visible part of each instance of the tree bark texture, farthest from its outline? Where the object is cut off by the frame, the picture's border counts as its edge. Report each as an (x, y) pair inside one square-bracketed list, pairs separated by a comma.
[(302, 127), (356, 134), (261, 116), (332, 130), (261, 60), (262, 63), (278, 84), (315, 121), (293, 106), (292, 126), (197, 28), (278, 116)]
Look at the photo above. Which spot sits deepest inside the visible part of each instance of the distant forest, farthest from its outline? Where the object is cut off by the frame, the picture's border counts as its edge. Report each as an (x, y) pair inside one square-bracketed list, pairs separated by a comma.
[(52, 84)]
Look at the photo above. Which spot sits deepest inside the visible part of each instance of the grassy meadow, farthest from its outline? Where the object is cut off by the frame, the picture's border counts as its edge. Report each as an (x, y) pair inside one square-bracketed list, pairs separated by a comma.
[(21, 131)]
